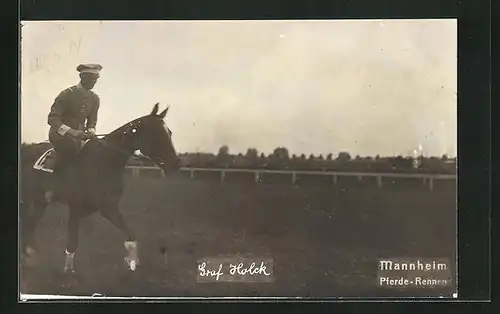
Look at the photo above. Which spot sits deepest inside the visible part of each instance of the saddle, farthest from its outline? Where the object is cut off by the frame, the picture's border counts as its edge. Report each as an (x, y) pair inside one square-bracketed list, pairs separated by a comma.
[(47, 161)]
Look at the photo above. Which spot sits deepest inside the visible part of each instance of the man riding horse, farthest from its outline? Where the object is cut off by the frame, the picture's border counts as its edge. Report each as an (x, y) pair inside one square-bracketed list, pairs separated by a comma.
[(72, 118), (101, 163)]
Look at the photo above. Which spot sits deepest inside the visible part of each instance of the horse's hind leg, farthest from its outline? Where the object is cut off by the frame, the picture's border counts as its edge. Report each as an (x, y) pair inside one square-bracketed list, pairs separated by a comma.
[(24, 224), (116, 218), (26, 230), (31, 212)]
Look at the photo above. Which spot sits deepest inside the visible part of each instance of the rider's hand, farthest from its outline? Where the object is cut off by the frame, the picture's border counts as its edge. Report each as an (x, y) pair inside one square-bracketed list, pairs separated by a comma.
[(75, 133), (91, 132)]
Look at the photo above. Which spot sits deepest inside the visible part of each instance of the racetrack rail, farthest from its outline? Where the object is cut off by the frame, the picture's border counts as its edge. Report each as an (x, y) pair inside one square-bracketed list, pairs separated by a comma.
[(425, 177)]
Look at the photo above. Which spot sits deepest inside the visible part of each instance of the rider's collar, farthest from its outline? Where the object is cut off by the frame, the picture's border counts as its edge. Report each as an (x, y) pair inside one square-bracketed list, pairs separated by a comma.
[(81, 88)]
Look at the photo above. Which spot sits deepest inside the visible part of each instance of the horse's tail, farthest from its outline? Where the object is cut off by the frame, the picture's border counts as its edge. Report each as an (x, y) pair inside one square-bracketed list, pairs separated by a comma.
[(32, 189), (30, 183)]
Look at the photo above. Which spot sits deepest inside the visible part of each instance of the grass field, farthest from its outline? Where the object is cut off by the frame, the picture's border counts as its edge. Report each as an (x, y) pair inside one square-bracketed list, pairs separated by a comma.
[(324, 239)]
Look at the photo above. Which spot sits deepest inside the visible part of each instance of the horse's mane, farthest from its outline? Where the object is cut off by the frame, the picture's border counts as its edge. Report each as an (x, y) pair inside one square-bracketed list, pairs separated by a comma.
[(125, 127)]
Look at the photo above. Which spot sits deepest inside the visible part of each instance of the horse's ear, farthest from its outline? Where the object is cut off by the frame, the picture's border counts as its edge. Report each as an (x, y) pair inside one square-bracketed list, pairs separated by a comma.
[(164, 113), (155, 109)]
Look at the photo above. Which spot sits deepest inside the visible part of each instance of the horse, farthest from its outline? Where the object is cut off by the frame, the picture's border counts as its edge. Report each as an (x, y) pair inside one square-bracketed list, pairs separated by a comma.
[(95, 181)]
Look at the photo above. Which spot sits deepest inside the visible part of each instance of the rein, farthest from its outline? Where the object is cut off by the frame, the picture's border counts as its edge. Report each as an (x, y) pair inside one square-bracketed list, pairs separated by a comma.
[(122, 151), (102, 141)]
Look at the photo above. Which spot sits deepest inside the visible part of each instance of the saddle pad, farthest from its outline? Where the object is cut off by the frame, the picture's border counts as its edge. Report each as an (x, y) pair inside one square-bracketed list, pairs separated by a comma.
[(47, 161)]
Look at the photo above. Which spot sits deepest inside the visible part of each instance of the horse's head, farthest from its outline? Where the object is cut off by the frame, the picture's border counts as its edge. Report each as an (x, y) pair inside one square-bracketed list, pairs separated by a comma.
[(154, 139)]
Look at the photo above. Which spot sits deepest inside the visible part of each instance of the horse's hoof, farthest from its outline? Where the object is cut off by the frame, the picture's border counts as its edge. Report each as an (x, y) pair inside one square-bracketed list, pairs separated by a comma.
[(69, 279), (131, 264), (29, 261)]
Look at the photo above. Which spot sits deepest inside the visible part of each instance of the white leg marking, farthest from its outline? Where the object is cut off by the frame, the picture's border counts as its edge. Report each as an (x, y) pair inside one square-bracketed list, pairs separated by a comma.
[(69, 264), (29, 256), (48, 196), (132, 258)]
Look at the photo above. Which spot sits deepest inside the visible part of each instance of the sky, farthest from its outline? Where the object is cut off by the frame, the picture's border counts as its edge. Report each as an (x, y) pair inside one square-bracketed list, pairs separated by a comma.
[(367, 87)]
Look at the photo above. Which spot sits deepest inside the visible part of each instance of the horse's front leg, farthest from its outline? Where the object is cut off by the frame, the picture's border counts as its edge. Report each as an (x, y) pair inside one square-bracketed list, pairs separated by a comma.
[(112, 213), (72, 238)]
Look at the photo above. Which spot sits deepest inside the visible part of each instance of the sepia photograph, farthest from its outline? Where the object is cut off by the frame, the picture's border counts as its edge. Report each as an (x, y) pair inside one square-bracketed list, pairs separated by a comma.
[(238, 158)]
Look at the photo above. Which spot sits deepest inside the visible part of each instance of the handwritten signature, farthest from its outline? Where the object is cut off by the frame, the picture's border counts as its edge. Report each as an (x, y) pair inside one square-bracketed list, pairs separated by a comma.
[(44, 60), (234, 269)]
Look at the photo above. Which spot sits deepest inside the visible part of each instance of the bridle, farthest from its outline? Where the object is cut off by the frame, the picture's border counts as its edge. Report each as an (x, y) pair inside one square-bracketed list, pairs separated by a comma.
[(102, 141)]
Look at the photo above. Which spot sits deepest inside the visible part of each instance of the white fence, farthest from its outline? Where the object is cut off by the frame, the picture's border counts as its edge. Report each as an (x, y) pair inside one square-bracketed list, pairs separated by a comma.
[(427, 179)]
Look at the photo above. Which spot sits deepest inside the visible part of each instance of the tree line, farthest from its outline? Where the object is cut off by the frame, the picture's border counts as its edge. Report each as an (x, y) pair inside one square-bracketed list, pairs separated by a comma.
[(280, 159)]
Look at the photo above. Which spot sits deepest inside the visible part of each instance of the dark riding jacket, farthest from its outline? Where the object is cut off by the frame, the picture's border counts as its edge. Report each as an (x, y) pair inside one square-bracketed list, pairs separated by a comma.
[(74, 107)]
